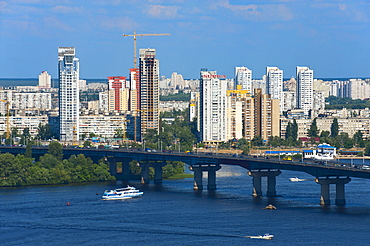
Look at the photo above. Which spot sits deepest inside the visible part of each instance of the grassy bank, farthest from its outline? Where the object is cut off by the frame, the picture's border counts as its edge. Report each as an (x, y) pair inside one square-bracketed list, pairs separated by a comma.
[(181, 176)]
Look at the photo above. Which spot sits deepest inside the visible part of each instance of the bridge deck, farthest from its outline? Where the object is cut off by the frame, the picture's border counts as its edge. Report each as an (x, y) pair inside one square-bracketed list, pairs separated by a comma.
[(248, 162)]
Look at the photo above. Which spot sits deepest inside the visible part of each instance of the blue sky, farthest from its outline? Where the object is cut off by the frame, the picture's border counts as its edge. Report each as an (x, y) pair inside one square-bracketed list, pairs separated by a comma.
[(330, 36)]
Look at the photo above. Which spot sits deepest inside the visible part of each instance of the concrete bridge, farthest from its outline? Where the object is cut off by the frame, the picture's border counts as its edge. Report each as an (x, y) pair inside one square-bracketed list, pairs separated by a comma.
[(325, 174)]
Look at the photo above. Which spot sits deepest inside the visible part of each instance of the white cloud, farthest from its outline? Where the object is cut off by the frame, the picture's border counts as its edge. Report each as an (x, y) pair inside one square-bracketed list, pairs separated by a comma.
[(352, 11), (20, 25), (342, 7), (66, 9), (56, 23), (258, 12), (162, 12), (3, 5), (166, 1), (121, 23)]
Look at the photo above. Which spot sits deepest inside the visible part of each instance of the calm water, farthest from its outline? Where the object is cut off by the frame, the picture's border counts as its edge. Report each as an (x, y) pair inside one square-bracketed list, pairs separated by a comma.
[(176, 215)]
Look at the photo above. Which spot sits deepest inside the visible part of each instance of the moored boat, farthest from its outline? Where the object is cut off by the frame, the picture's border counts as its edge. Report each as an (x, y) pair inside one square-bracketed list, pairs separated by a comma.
[(122, 193)]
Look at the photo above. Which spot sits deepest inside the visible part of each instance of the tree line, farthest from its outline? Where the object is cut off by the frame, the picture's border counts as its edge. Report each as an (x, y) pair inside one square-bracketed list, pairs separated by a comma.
[(22, 170)]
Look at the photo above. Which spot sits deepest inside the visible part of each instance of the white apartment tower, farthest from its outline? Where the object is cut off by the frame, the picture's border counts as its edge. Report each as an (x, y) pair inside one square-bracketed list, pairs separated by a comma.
[(274, 84), (212, 106), (69, 103), (304, 89), (243, 77), (44, 80), (149, 90)]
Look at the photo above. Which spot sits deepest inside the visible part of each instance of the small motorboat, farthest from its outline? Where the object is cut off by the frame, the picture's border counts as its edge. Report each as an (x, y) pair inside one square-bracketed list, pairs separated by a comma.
[(266, 237), (270, 206), (295, 179)]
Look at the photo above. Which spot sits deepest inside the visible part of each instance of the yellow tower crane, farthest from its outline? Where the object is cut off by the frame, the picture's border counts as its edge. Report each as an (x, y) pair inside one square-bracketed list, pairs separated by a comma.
[(7, 131), (141, 35)]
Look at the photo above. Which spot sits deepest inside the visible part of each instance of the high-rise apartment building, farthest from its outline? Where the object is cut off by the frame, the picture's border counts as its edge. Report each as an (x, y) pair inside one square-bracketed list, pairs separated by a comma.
[(243, 77), (212, 112), (69, 103), (359, 89), (134, 90), (266, 115), (118, 94), (44, 80), (304, 89), (149, 90), (274, 84), (236, 101)]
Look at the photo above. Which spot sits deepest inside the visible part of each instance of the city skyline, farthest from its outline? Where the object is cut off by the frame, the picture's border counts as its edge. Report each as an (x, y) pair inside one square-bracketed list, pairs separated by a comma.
[(330, 37)]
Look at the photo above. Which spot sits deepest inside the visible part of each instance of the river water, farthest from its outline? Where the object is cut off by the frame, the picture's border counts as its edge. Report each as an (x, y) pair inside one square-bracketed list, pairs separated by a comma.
[(174, 214)]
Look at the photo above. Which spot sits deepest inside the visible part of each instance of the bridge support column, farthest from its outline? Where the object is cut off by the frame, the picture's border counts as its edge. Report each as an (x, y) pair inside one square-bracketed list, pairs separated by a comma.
[(158, 174), (144, 173), (198, 175), (211, 179), (198, 179), (126, 167), (325, 190), (271, 185), (257, 186), (271, 182), (112, 166)]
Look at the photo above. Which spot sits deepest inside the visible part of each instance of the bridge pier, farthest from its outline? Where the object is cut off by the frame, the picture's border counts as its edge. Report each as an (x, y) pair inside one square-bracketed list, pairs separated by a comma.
[(112, 166), (257, 182), (325, 190), (198, 175), (126, 167), (158, 172)]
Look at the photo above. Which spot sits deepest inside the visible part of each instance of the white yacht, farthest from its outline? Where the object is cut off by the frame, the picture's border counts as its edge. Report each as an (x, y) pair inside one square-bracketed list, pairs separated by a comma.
[(295, 179), (122, 193), (266, 237)]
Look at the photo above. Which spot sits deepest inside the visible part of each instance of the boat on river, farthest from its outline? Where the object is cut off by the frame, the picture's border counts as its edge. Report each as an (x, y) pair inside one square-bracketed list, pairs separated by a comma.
[(270, 206), (122, 193), (295, 179), (266, 237)]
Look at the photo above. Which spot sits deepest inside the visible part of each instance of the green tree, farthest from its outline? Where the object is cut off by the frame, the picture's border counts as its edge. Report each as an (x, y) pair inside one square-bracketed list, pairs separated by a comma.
[(334, 129), (26, 135), (358, 139), (87, 144), (324, 134), (28, 153), (313, 131), (367, 148), (56, 150), (288, 131), (14, 132), (295, 130), (257, 141), (44, 132)]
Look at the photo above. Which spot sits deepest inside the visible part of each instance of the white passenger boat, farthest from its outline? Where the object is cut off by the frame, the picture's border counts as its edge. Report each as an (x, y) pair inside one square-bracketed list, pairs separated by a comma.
[(295, 179), (122, 193), (266, 237)]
